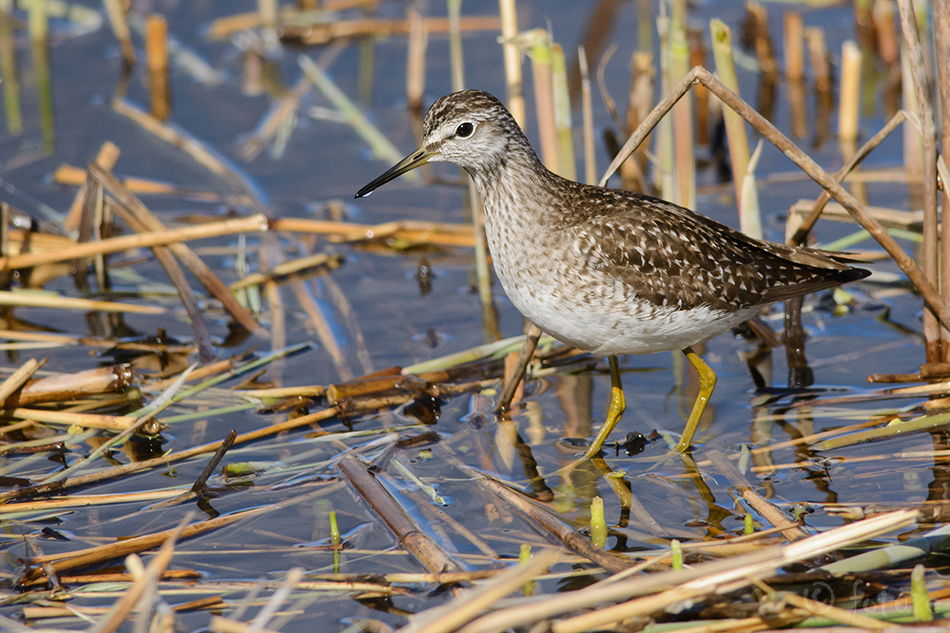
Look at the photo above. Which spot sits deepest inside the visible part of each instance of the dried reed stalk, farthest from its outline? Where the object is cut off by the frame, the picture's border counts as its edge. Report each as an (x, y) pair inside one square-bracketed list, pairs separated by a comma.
[(106, 158), (156, 55), (59, 302), (757, 502), (120, 27), (514, 88), (735, 127), (697, 57), (849, 91), (38, 26), (801, 233), (587, 109), (87, 420), (640, 101), (324, 32), (515, 374), (795, 72), (464, 608), (251, 224), (18, 378), (667, 588), (821, 76), (684, 153), (538, 42), (409, 535), (224, 27), (941, 26), (547, 524), (416, 57), (143, 221), (566, 165), (156, 568), (80, 558), (319, 260), (928, 165), (8, 69), (114, 379), (794, 45), (408, 231), (888, 40)]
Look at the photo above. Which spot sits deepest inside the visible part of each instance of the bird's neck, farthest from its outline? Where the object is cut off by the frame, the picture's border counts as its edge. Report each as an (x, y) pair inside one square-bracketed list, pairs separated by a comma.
[(516, 188)]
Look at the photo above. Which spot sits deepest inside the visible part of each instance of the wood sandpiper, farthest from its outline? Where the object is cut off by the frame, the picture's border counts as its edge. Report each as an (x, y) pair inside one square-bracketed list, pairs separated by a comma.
[(609, 271)]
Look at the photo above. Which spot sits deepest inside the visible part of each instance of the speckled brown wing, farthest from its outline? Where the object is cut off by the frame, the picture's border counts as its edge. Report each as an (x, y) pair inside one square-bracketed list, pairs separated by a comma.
[(674, 257)]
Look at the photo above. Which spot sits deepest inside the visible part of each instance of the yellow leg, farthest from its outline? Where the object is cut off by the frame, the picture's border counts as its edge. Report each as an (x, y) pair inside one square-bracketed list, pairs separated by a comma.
[(617, 406), (707, 382)]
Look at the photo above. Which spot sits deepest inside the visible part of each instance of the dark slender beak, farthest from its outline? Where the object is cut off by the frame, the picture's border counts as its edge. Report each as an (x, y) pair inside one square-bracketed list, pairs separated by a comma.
[(416, 159)]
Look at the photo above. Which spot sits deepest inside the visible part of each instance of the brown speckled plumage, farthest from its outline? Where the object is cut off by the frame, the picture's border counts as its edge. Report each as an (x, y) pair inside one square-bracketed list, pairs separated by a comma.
[(607, 270)]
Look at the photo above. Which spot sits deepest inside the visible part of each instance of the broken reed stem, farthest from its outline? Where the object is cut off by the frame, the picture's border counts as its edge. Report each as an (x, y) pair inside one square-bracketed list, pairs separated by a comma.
[(63, 387), (482, 268), (697, 57), (471, 604), (8, 69), (274, 120), (512, 380), (413, 232), (941, 23), (141, 220), (201, 483), (736, 137), (120, 471), (59, 302), (317, 33), (120, 27), (684, 157), (283, 269), (587, 109), (538, 42), (156, 54), (106, 158), (800, 158), (794, 45), (251, 224), (801, 233), (410, 536), (18, 378), (87, 420), (928, 141), (548, 524), (765, 508), (39, 48), (322, 327), (672, 587), (795, 72), (156, 568), (514, 87), (81, 558), (567, 165), (416, 57), (850, 92)]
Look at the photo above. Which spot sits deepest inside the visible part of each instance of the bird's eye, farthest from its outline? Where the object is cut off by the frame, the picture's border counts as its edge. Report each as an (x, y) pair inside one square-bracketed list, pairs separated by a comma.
[(464, 130)]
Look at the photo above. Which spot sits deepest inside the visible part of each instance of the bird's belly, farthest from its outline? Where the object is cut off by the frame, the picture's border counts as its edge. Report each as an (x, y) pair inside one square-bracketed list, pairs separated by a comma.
[(631, 326)]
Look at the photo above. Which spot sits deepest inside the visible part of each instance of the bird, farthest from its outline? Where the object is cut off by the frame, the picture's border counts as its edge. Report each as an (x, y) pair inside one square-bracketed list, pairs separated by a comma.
[(605, 270)]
